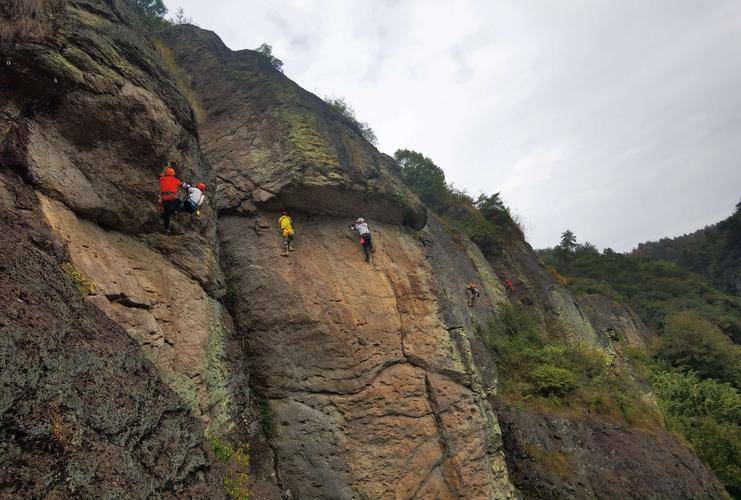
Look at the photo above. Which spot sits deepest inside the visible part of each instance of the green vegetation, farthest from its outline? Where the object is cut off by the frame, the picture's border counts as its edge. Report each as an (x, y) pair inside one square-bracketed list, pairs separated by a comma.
[(694, 367), (714, 252), (707, 414), (548, 373), (267, 51), (152, 13), (693, 343), (84, 286), (264, 417), (343, 108), (485, 219), (236, 479), (654, 289)]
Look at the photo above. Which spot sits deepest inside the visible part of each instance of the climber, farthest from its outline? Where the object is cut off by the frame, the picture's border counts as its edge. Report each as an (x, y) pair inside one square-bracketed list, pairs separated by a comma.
[(509, 287), (365, 237), (475, 293), (169, 200), (194, 198), (286, 230)]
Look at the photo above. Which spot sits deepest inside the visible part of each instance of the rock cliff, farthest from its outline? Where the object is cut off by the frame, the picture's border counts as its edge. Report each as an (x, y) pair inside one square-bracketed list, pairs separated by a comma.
[(344, 379)]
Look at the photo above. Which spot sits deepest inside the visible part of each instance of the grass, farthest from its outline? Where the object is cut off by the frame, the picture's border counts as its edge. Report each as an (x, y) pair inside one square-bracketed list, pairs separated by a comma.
[(265, 417), (30, 19), (237, 458), (83, 285)]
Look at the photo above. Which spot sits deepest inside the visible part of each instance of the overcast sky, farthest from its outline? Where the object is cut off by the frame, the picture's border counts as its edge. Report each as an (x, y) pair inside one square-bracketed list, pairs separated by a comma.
[(619, 120)]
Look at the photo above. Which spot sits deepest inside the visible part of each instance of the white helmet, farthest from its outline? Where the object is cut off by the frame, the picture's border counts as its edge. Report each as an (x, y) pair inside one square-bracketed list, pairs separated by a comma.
[(360, 220)]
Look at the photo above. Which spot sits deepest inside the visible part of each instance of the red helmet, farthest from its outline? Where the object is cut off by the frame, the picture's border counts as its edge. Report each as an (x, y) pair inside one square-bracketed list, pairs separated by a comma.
[(201, 186), (284, 212), (169, 171)]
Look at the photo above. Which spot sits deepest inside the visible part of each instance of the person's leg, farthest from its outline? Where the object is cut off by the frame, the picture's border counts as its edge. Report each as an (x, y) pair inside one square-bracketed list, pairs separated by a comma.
[(290, 243), (369, 242), (189, 207), (365, 250), (285, 245), (167, 207)]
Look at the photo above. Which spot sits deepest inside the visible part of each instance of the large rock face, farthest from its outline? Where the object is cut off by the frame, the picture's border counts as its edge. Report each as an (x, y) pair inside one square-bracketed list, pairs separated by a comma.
[(82, 412), (373, 393), (88, 115), (373, 374), (275, 145), (372, 382), (556, 456)]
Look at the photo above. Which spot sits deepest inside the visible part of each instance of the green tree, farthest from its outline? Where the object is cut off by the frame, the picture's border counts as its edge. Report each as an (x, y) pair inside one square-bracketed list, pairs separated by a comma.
[(490, 206), (267, 51), (425, 178), (568, 241), (151, 8)]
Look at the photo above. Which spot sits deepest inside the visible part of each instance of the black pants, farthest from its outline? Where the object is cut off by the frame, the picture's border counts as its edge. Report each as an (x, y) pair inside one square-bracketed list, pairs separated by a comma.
[(169, 208), (367, 245), (189, 207)]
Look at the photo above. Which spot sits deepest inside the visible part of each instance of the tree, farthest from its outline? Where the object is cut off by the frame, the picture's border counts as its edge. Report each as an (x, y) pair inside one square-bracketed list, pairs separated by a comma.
[(267, 51), (568, 241), (490, 205), (423, 177), (181, 18), (341, 106), (151, 8)]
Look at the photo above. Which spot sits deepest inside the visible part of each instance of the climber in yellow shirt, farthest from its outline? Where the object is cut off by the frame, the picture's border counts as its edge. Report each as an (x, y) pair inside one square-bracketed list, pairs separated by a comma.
[(286, 230)]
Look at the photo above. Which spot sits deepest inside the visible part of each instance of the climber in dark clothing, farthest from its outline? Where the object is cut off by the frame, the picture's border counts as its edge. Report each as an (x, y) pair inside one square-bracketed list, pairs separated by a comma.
[(474, 292), (365, 237)]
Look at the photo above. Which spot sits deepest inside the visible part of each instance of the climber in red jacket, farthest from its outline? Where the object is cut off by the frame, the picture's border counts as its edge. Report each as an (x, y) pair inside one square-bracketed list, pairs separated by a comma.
[(169, 199)]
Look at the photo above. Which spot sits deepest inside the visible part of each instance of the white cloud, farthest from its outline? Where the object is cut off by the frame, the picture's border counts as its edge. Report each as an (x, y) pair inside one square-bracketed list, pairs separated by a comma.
[(609, 118)]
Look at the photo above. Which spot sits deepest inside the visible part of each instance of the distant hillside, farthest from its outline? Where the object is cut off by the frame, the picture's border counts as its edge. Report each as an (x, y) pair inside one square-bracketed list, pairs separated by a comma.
[(714, 252), (693, 362)]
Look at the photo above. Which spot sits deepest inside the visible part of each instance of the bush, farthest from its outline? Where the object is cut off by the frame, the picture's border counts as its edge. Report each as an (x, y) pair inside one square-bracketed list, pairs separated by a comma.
[(267, 51), (343, 108), (84, 286), (708, 414), (691, 342), (548, 373), (552, 380), (236, 479)]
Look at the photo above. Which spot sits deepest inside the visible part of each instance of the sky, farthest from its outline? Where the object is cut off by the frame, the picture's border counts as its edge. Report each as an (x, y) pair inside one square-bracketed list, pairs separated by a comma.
[(619, 120)]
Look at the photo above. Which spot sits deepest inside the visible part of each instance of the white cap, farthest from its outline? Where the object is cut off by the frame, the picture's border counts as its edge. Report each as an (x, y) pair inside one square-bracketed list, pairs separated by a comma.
[(359, 221)]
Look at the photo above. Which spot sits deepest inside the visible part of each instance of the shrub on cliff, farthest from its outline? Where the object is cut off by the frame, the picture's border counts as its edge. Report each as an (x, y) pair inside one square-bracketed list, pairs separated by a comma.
[(152, 13), (548, 372), (485, 219), (267, 51), (550, 380), (343, 108)]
